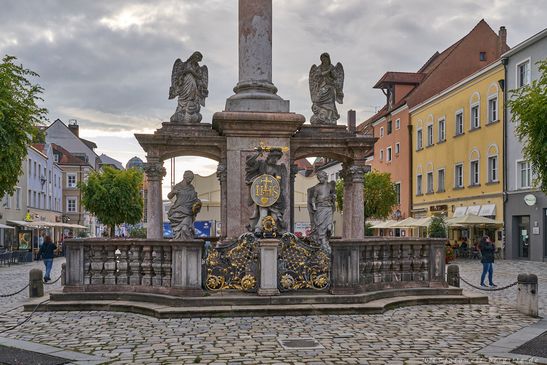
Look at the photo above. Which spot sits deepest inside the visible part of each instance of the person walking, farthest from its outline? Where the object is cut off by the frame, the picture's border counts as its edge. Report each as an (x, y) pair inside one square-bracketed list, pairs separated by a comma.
[(487, 249), (47, 252)]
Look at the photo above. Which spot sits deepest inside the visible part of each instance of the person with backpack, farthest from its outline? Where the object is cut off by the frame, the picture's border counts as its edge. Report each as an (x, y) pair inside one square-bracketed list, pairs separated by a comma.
[(487, 249), (47, 252)]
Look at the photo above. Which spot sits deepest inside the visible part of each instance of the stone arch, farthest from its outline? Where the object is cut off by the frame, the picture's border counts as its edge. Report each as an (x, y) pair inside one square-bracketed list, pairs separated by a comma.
[(475, 98), (474, 154), (492, 150), (493, 89), (429, 167)]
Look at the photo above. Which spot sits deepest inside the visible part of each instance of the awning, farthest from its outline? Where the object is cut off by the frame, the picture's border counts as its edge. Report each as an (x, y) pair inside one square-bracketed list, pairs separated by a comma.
[(459, 211), (422, 222), (405, 223), (6, 227), (488, 210), (472, 220), (22, 223), (473, 209), (384, 224), (73, 226)]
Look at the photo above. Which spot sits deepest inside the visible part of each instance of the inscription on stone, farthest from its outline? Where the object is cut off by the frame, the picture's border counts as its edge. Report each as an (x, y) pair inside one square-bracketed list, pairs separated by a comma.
[(265, 190)]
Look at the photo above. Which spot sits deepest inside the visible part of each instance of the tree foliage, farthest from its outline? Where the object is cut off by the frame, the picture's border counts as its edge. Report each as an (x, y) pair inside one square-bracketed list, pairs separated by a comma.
[(379, 194), (20, 116), (437, 228), (528, 105), (114, 196)]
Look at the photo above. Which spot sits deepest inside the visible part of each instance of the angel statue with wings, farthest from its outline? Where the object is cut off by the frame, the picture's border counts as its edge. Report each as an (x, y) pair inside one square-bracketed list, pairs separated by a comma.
[(189, 82), (326, 84)]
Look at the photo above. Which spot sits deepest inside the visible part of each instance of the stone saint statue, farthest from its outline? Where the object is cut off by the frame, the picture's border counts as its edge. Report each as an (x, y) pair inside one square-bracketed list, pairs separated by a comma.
[(189, 82), (186, 206), (254, 169), (321, 206), (326, 84)]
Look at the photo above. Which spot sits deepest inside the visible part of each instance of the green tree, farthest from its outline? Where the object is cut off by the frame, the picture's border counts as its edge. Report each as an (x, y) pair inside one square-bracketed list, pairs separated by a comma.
[(528, 105), (437, 228), (114, 196), (379, 191), (20, 116)]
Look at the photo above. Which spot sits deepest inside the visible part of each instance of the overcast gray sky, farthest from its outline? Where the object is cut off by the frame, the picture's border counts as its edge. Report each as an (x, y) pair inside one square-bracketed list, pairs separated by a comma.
[(108, 64)]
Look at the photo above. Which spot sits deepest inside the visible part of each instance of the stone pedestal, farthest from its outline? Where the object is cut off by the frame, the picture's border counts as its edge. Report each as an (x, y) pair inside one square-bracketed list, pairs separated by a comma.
[(345, 266), (186, 265), (527, 294), (268, 267), (244, 132)]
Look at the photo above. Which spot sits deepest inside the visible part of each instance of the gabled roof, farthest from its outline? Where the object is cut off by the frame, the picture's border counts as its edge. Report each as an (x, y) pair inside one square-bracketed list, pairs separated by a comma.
[(392, 77), (66, 158), (107, 160)]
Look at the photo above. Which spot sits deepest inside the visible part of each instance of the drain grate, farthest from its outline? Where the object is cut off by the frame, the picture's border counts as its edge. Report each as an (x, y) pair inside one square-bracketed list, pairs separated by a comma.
[(534, 347), (14, 356), (307, 343)]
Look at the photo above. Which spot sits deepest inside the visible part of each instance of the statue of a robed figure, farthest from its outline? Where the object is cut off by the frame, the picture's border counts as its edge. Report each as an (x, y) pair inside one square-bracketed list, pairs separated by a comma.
[(321, 206), (185, 208), (189, 82), (326, 84), (266, 180)]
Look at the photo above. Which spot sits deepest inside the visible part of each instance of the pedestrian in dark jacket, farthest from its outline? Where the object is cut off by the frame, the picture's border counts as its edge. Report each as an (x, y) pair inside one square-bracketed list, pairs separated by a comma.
[(487, 251), (47, 251)]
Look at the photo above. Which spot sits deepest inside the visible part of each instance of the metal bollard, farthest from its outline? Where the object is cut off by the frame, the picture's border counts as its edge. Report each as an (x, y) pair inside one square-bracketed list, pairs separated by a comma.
[(35, 284), (527, 294), (453, 275), (63, 273)]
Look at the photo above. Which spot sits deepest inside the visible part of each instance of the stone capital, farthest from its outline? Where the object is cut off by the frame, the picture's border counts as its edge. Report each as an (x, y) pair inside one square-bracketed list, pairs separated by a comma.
[(154, 170)]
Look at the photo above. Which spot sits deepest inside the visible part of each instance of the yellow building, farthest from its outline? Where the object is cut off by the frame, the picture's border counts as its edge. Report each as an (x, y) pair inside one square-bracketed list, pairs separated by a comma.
[(457, 154)]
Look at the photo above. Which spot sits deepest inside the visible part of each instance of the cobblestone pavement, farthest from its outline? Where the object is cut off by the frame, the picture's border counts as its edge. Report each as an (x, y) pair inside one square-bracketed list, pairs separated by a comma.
[(15, 277), (433, 334)]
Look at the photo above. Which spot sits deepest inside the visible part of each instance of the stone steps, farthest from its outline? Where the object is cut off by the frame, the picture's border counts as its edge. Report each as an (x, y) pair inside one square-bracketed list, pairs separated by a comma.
[(161, 306)]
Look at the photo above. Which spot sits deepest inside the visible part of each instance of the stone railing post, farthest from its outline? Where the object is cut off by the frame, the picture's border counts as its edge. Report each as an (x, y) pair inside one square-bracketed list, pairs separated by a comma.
[(186, 266), (74, 272), (154, 172), (268, 267), (345, 267), (527, 294), (35, 283), (453, 275)]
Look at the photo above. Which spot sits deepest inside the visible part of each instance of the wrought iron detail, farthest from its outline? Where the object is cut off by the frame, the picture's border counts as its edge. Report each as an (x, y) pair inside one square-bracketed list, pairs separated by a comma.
[(233, 266), (302, 265)]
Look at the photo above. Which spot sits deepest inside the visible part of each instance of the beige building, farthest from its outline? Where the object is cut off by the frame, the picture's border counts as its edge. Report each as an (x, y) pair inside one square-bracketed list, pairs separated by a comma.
[(208, 189)]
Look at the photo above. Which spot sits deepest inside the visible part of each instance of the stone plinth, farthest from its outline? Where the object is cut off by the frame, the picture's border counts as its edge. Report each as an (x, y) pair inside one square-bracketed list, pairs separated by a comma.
[(186, 265), (268, 267), (244, 132)]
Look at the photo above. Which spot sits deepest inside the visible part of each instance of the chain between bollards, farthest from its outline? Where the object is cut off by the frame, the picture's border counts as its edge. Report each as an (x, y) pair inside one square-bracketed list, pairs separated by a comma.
[(487, 289), (12, 294)]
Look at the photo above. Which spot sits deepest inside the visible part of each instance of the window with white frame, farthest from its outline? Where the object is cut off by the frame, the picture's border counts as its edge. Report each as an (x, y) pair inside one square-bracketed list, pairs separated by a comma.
[(442, 130), (430, 135), (523, 73), (34, 171), (419, 185), (430, 182), (388, 154), (6, 202), (56, 157), (381, 131), (493, 169), (524, 174), (419, 139), (397, 123), (475, 120), (381, 155), (458, 176), (17, 198), (440, 180), (71, 204), (71, 180), (34, 200), (493, 109), (459, 122), (29, 167), (398, 192), (397, 148), (474, 171)]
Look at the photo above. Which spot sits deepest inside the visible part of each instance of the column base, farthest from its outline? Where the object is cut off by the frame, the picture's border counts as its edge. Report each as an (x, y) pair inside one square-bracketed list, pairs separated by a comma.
[(266, 292)]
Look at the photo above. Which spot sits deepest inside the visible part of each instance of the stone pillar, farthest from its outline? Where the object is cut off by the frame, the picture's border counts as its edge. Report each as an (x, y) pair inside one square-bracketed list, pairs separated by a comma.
[(527, 294), (154, 172), (255, 90), (35, 284), (453, 275), (294, 171), (357, 202), (222, 178), (268, 267), (347, 211)]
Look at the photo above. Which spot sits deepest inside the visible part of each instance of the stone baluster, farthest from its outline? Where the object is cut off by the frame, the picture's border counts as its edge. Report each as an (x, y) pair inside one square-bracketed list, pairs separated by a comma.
[(88, 258), (377, 264), (396, 262), (154, 172), (406, 263), (146, 266), (166, 266), (122, 267), (424, 258), (414, 264), (157, 256), (97, 265), (134, 258), (109, 265)]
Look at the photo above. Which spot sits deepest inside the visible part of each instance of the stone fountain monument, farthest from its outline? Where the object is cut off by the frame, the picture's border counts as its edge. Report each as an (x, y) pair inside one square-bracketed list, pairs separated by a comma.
[(256, 140)]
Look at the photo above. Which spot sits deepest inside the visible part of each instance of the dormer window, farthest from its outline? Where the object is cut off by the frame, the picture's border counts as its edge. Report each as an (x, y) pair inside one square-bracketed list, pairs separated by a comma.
[(482, 56)]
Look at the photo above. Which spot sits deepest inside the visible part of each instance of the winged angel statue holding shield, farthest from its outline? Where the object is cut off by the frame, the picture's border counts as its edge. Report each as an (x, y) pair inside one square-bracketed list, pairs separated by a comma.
[(189, 81), (326, 84)]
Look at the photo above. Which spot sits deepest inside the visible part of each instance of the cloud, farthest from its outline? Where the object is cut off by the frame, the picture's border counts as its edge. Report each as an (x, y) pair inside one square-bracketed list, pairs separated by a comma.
[(108, 63)]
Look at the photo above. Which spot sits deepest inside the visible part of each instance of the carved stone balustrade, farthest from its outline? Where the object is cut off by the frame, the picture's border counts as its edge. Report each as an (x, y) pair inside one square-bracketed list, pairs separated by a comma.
[(147, 266), (378, 263)]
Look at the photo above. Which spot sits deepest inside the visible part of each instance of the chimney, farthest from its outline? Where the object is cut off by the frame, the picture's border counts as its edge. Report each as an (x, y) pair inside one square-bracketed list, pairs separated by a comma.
[(351, 121), (502, 41), (74, 128)]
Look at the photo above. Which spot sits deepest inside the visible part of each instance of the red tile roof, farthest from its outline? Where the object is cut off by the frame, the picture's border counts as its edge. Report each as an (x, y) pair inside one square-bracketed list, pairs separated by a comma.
[(392, 77)]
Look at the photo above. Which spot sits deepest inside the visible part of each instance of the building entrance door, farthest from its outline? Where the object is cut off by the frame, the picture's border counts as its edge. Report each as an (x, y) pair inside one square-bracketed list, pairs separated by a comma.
[(523, 229)]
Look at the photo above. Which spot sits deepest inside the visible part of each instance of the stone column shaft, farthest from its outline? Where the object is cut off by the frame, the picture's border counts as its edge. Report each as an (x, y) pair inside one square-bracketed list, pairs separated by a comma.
[(154, 172)]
